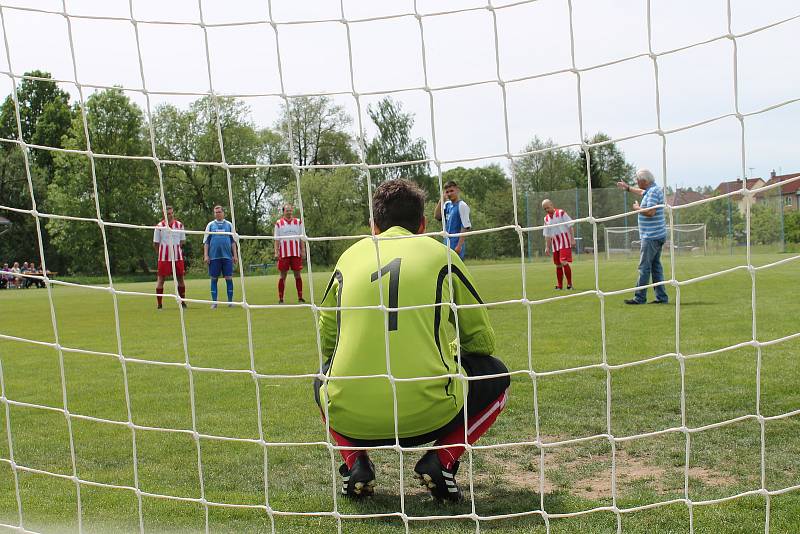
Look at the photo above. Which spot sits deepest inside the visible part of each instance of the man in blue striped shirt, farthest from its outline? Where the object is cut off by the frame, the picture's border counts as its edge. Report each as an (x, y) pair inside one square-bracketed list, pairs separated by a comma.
[(652, 232)]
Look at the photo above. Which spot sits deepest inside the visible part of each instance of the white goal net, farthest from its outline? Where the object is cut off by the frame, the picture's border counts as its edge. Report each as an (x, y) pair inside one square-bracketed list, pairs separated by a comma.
[(34, 484), (688, 239)]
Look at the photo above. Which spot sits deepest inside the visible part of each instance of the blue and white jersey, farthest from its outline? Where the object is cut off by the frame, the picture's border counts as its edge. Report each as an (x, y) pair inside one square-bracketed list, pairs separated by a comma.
[(456, 219), (652, 227), (219, 245)]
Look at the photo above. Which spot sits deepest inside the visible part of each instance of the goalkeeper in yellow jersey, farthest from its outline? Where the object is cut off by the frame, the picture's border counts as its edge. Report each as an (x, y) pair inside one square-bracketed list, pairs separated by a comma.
[(409, 390)]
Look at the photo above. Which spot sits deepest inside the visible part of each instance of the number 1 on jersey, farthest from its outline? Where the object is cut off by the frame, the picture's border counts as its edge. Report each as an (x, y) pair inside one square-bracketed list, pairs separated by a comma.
[(393, 269)]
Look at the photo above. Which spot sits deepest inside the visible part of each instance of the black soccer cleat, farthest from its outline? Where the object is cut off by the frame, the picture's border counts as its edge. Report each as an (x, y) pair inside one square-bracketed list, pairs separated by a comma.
[(440, 482), (359, 481)]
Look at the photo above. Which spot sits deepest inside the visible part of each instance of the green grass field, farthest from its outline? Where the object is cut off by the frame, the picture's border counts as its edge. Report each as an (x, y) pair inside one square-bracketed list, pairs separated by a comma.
[(645, 398)]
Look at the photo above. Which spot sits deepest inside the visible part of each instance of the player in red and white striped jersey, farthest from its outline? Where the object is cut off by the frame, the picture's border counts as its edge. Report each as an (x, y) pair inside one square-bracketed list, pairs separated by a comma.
[(560, 239), (168, 240), (289, 250)]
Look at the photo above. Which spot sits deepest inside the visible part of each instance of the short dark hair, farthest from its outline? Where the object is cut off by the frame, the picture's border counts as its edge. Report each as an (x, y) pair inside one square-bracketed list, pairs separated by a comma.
[(450, 183), (398, 203)]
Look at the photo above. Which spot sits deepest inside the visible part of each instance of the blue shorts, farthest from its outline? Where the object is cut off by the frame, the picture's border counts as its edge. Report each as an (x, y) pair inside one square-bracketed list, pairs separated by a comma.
[(220, 265)]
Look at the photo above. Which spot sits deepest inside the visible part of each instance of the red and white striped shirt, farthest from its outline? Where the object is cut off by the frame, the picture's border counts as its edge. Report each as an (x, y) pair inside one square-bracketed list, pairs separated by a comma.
[(169, 242), (560, 233), (287, 234)]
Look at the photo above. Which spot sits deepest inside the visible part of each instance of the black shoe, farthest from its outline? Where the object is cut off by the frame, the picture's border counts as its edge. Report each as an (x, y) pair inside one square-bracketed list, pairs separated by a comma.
[(160, 307), (280, 301), (183, 305), (633, 301), (360, 480), (440, 482), (658, 302), (569, 287), (301, 299), (557, 288)]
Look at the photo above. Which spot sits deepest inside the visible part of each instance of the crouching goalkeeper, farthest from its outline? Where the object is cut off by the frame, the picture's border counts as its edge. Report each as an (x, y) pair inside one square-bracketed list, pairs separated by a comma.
[(418, 367)]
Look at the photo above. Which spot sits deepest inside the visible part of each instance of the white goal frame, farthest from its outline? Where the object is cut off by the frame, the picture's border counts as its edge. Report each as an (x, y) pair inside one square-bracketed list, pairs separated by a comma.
[(668, 245)]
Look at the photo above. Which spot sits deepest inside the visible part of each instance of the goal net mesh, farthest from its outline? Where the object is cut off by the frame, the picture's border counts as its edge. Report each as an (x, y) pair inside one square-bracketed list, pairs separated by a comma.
[(593, 223)]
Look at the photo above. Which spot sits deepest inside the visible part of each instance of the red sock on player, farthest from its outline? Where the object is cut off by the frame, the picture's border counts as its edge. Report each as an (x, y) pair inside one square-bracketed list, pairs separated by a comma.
[(568, 272), (348, 455), (281, 287), (560, 276), (298, 283), (159, 292), (182, 291), (478, 425)]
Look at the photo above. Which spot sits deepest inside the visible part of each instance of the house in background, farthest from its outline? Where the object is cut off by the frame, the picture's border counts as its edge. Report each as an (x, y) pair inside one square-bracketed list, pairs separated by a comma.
[(790, 193), (684, 196), (736, 185)]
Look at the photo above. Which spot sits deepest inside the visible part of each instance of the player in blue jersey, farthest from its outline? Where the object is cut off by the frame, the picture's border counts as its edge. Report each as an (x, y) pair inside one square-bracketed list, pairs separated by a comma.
[(219, 252), (456, 217)]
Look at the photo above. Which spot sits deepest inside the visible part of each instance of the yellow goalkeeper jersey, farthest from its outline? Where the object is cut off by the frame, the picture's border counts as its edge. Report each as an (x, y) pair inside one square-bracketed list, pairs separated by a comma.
[(412, 272)]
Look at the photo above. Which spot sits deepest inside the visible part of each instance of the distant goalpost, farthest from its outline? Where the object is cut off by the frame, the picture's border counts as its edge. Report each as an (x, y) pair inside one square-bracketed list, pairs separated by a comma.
[(625, 240), (527, 299)]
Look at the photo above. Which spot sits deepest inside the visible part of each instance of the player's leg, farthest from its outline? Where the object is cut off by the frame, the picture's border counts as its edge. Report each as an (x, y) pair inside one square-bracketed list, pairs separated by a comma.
[(214, 270), (159, 287), (357, 471), (179, 274), (227, 272), (566, 258), (658, 273), (645, 266), (436, 470), (559, 270), (282, 285), (297, 267)]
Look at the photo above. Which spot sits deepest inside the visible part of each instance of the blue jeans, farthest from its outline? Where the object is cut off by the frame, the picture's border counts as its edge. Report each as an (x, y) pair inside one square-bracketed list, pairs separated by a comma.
[(650, 263)]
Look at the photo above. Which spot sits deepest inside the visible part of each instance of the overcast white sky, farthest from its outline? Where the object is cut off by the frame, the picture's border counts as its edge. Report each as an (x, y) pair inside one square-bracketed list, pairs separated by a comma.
[(533, 39)]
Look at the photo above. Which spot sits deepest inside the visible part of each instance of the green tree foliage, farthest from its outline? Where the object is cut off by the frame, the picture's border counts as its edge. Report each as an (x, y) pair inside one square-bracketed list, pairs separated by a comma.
[(791, 222), (607, 163), (394, 144), (479, 182), (126, 190), (765, 223), (721, 217), (194, 188), (44, 113), (330, 201), (550, 170), (318, 131)]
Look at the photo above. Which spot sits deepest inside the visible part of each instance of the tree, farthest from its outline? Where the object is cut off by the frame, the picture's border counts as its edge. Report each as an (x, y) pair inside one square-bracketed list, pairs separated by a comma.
[(791, 221), (394, 144), (478, 182), (44, 113), (330, 198), (607, 163), (551, 170), (127, 190), (765, 224), (318, 131)]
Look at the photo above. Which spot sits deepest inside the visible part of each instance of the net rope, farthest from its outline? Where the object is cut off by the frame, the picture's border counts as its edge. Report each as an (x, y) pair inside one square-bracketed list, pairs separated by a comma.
[(540, 442)]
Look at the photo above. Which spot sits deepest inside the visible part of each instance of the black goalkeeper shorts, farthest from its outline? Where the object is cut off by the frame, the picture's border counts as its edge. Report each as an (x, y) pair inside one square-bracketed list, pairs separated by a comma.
[(480, 395)]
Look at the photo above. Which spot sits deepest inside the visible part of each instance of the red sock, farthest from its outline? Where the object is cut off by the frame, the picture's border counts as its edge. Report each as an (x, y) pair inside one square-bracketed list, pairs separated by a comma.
[(182, 291), (159, 292), (298, 283), (478, 425), (560, 276), (568, 272), (348, 455), (281, 287)]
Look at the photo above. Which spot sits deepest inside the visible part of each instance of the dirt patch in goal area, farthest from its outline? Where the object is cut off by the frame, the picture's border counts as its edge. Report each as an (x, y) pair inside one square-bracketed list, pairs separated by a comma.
[(589, 476), (633, 471)]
